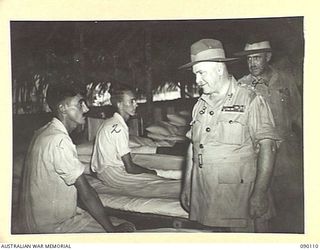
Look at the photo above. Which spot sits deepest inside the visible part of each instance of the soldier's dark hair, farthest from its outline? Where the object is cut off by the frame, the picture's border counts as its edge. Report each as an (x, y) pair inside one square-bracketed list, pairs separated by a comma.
[(117, 96), (58, 93)]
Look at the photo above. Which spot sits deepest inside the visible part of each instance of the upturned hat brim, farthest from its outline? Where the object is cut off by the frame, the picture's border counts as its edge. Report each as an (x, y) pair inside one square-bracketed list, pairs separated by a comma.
[(190, 64), (252, 51)]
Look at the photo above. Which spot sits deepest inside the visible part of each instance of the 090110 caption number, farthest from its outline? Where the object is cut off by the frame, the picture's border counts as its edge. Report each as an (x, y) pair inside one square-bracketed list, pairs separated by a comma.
[(309, 246)]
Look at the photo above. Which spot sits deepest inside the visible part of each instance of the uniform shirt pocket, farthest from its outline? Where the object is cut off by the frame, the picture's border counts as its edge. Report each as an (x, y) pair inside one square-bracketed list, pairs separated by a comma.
[(230, 129), (235, 181), (236, 173)]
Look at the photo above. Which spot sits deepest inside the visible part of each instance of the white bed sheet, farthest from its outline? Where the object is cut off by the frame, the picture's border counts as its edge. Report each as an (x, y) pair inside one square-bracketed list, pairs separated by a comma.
[(166, 165), (159, 206), (172, 165)]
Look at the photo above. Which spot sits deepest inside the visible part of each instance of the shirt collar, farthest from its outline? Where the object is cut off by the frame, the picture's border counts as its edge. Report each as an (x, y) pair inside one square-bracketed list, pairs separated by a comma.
[(120, 119), (229, 94), (265, 78), (273, 74), (59, 125)]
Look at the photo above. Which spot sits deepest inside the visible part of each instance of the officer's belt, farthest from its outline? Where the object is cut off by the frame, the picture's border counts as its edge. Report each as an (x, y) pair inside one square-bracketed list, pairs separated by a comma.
[(210, 158)]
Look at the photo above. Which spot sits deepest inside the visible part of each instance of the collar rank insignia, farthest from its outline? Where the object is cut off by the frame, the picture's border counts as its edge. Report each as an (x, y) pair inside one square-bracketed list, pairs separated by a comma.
[(233, 108)]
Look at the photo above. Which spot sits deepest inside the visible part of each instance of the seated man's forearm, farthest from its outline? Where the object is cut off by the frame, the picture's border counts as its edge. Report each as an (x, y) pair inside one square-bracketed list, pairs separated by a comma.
[(92, 203), (133, 168), (136, 169)]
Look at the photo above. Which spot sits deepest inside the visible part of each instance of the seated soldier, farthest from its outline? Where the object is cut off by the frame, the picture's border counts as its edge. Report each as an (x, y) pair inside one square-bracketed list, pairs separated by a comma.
[(112, 160), (53, 175)]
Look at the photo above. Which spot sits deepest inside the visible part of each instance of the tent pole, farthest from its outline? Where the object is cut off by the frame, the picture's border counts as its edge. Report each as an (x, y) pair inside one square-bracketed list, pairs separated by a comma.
[(148, 69)]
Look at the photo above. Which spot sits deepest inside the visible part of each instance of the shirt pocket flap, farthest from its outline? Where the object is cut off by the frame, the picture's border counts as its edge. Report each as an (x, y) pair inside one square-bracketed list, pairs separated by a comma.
[(236, 173), (230, 128), (236, 117)]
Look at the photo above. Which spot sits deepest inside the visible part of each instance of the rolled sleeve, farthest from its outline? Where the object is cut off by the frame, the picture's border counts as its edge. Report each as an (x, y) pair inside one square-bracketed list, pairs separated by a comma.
[(195, 111), (188, 134), (295, 104), (67, 164), (261, 122)]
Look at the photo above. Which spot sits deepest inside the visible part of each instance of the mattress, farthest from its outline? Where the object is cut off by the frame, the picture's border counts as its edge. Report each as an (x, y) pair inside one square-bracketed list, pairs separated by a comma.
[(159, 206), (167, 166)]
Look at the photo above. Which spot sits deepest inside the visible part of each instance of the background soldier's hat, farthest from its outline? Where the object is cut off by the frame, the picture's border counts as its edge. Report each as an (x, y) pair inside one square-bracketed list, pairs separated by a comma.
[(207, 50), (256, 44)]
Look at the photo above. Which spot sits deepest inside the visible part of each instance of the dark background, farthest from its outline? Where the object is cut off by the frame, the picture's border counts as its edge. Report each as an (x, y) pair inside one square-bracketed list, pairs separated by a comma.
[(125, 51), (138, 54)]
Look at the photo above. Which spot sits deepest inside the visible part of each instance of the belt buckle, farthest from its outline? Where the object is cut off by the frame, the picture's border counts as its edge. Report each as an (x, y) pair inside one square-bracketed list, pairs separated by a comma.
[(200, 160)]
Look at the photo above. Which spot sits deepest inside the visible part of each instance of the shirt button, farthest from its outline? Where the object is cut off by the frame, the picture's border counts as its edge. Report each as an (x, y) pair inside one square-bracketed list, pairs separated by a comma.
[(230, 121), (208, 129), (201, 112), (211, 113), (201, 146)]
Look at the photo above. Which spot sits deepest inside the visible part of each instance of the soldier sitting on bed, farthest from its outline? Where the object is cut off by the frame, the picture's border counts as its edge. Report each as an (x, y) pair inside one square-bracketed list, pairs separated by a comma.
[(53, 175), (112, 161)]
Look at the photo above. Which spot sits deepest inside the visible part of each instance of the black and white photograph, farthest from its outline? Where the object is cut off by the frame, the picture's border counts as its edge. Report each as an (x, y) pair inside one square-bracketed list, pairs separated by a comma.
[(185, 125)]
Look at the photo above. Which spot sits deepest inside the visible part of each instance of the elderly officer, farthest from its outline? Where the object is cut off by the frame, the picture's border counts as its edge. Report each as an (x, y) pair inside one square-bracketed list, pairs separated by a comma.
[(280, 91), (233, 143)]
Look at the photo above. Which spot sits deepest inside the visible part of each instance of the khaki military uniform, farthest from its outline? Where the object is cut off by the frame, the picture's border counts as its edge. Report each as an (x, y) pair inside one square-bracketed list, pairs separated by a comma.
[(281, 93), (48, 201), (225, 138)]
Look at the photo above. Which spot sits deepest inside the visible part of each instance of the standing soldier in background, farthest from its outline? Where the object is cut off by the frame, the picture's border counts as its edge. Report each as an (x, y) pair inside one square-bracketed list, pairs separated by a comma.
[(279, 89)]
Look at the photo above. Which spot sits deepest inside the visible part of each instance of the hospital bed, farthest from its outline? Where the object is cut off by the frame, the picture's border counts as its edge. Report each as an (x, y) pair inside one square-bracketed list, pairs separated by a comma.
[(147, 213), (168, 133), (158, 210), (162, 134)]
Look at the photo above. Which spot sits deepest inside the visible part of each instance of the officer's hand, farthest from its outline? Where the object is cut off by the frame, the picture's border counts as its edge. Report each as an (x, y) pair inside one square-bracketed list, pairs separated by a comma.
[(258, 204), (185, 199), (125, 227)]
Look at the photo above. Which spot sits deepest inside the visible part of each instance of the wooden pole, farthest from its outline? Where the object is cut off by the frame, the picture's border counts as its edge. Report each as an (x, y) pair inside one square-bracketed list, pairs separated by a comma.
[(182, 90), (148, 70), (115, 69), (79, 49)]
